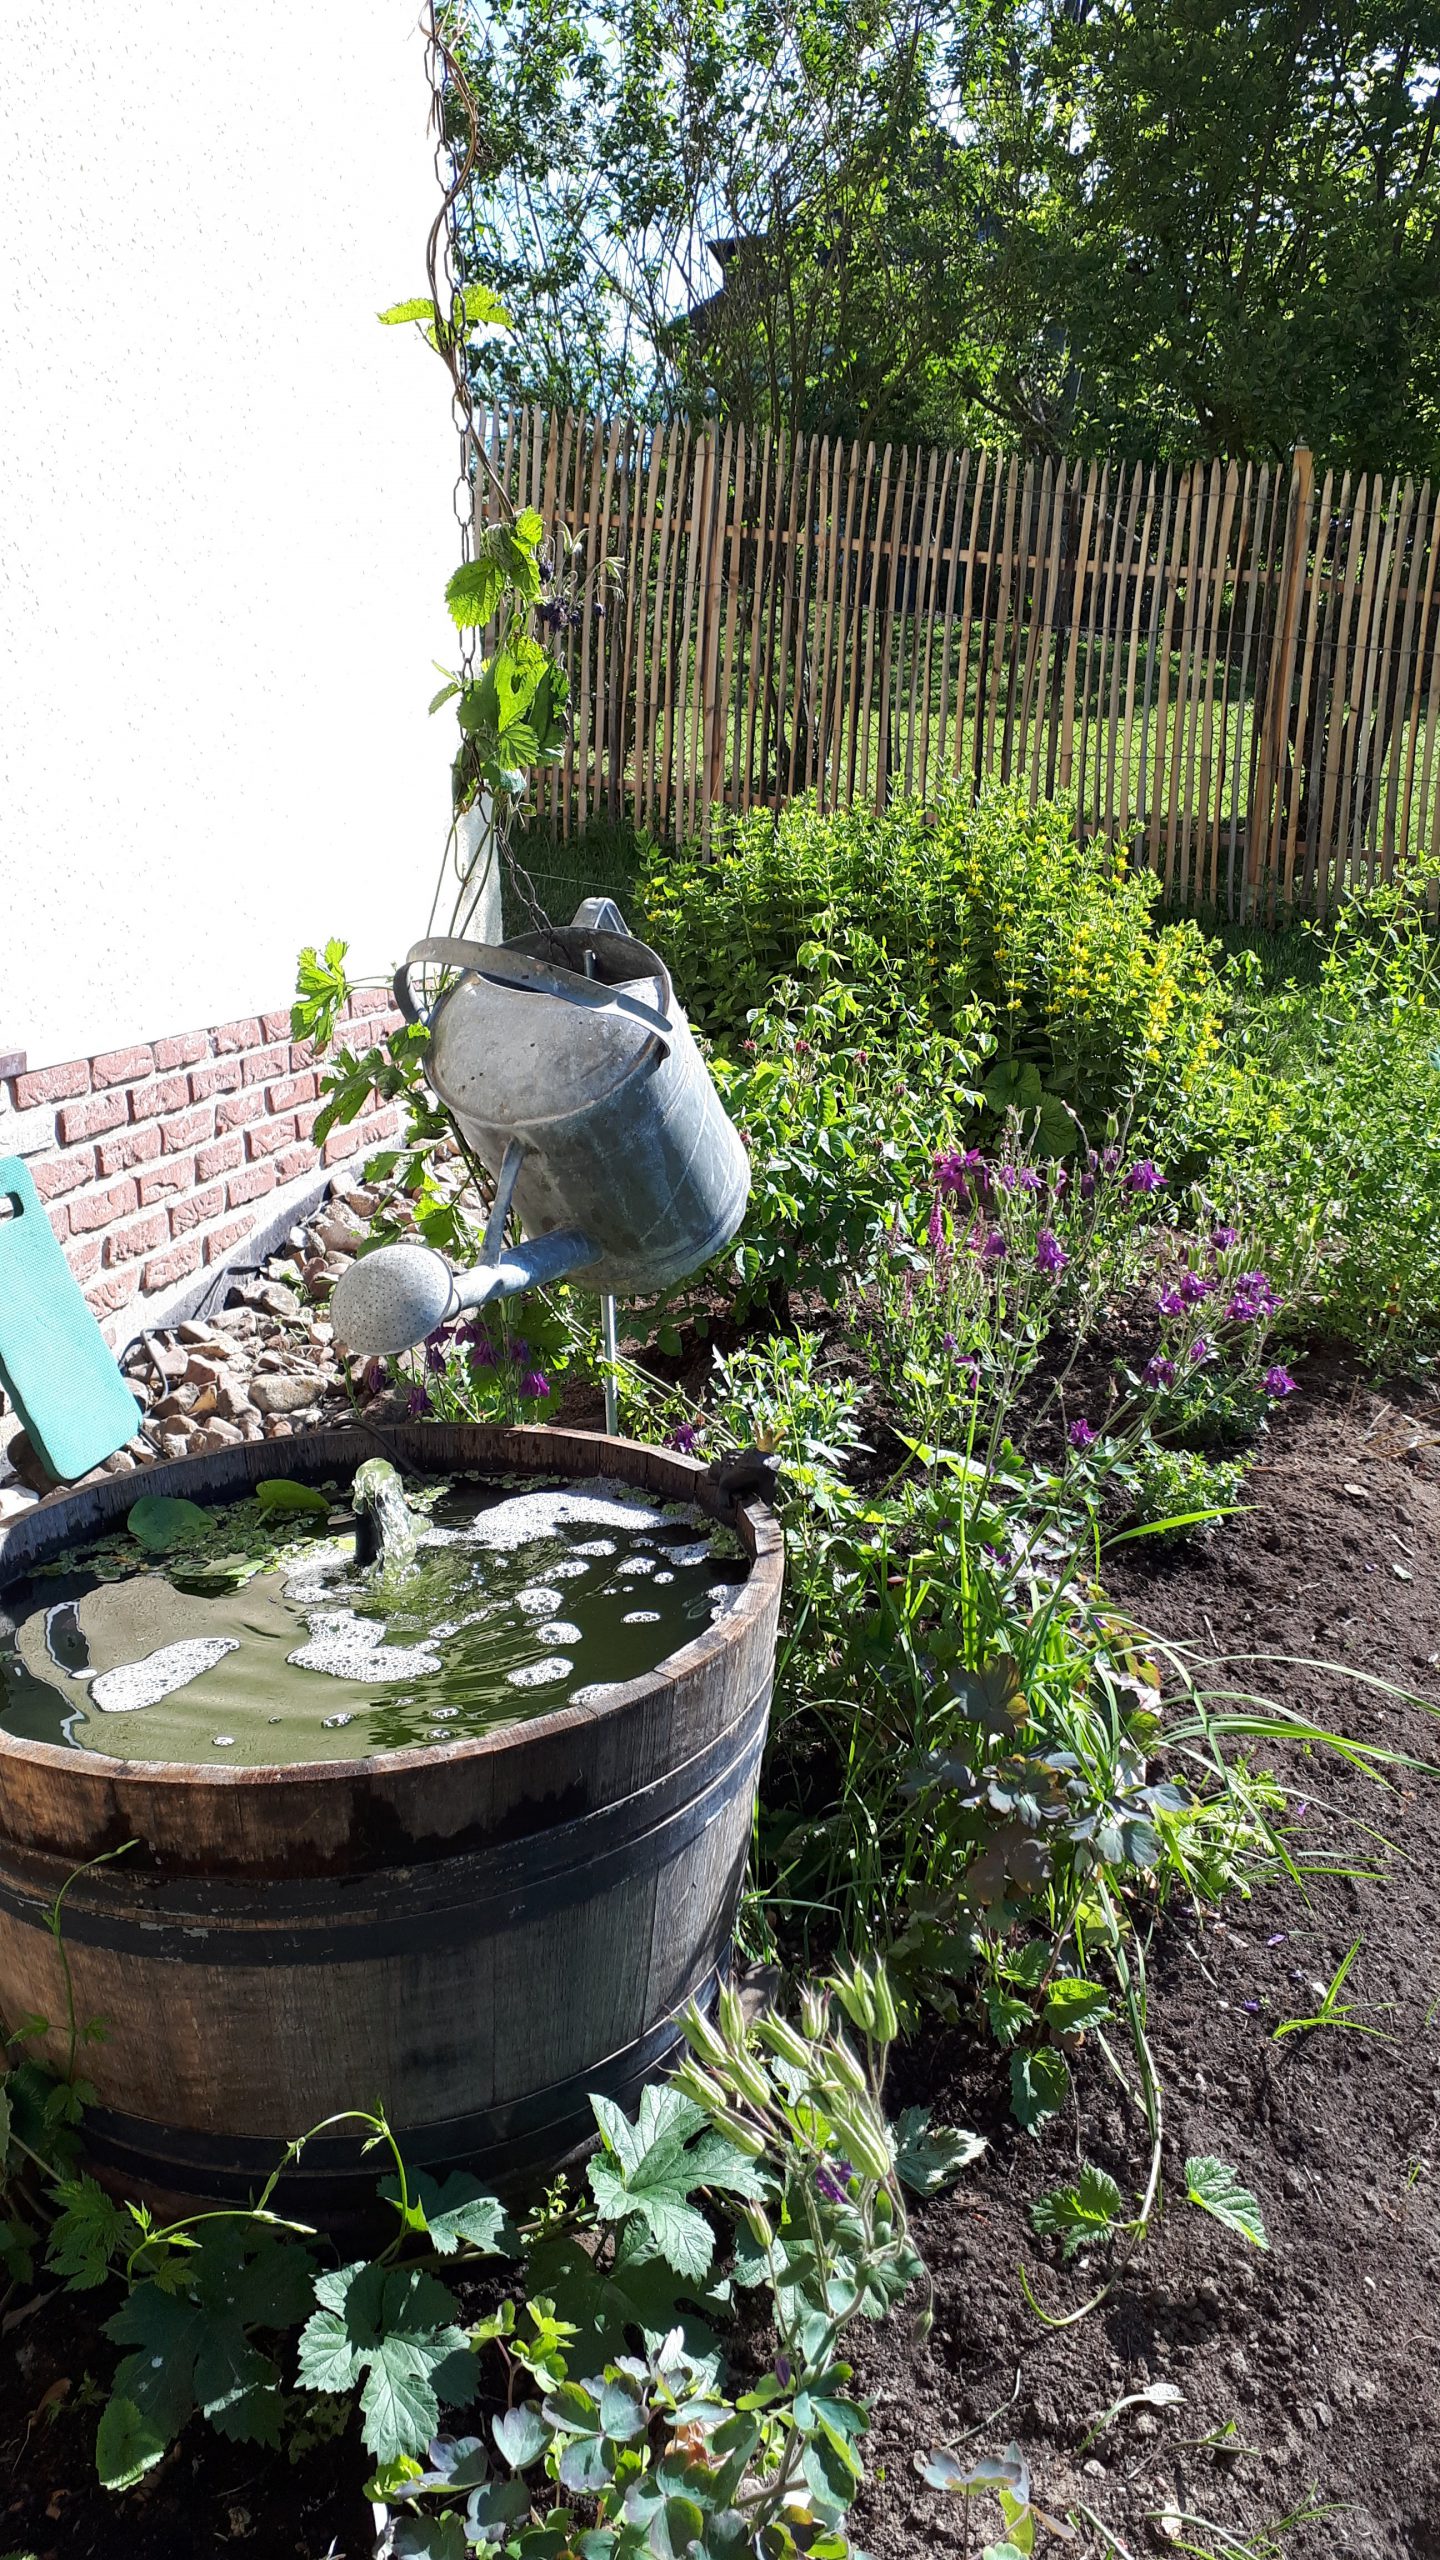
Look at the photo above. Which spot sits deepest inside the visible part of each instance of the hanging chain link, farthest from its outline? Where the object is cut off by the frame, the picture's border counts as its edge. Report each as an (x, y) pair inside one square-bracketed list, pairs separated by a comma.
[(455, 126)]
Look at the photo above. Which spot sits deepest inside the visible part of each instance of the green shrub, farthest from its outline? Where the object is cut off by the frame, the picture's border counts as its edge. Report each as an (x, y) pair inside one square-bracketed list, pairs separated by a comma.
[(1327, 1142), (933, 910)]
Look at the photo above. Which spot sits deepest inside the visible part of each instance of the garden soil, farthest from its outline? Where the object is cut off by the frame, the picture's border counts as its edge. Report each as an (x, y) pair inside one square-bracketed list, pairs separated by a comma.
[(1309, 2375)]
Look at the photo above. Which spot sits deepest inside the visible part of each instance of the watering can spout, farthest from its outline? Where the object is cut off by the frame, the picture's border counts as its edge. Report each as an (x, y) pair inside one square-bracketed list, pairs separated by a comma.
[(391, 1299)]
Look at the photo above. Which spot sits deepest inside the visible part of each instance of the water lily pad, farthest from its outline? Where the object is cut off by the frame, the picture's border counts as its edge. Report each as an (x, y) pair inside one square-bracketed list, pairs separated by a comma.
[(161, 1521), (281, 1493)]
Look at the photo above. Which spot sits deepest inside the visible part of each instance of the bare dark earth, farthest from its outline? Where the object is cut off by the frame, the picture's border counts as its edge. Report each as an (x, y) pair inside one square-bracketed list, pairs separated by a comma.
[(1322, 2356)]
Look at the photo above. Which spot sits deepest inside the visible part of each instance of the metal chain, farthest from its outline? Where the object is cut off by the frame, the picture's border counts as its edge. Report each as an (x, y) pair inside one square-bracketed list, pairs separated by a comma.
[(456, 136)]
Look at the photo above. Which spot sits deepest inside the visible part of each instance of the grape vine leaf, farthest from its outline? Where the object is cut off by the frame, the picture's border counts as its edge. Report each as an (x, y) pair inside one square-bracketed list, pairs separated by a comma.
[(390, 2331), (1214, 2186)]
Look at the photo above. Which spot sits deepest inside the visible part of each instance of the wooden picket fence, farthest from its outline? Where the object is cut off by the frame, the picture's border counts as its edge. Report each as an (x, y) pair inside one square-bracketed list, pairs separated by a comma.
[(1229, 667)]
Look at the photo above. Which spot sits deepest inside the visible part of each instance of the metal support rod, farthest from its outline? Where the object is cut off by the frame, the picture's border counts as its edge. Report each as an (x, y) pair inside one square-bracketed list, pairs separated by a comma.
[(505, 1182), (610, 1332)]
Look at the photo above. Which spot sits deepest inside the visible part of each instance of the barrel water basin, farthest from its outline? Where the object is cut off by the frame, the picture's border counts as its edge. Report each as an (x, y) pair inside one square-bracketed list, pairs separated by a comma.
[(474, 1935)]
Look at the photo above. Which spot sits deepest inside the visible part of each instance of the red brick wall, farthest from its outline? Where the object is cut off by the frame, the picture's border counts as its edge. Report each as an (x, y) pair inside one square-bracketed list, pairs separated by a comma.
[(157, 1161)]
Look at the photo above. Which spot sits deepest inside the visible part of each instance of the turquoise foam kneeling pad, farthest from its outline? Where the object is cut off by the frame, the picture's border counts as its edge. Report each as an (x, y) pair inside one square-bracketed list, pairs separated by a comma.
[(56, 1366)]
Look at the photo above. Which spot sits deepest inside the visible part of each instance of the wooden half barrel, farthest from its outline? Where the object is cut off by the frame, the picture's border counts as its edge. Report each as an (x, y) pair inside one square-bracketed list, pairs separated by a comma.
[(474, 1935)]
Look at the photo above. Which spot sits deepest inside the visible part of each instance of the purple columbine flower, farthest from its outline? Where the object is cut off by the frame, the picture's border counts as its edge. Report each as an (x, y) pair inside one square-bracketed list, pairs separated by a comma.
[(534, 1387), (1170, 1303), (1050, 1254), (416, 1403), (374, 1378), (947, 1171), (482, 1349), (1223, 1238), (1087, 1183), (1080, 1435), (1029, 1180), (1252, 1298), (1194, 1286), (435, 1356), (1007, 1177), (1159, 1372), (994, 1248), (835, 2185), (784, 2372), (1200, 1352), (686, 1438), (1277, 1382), (1109, 1160), (1059, 1181), (1145, 1177)]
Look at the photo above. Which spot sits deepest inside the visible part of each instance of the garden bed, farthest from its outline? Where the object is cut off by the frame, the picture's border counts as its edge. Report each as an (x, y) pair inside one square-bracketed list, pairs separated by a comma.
[(1322, 2353)]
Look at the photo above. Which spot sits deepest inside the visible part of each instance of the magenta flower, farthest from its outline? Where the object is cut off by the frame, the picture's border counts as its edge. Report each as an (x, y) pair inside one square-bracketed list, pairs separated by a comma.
[(1028, 1179), (1007, 1177), (1087, 1183), (435, 1356), (1252, 1298), (1277, 1382), (1144, 1177), (686, 1438), (1170, 1302), (534, 1387), (1050, 1254), (482, 1353), (1080, 1435), (936, 1230), (1194, 1286), (1159, 1372), (416, 1403), (994, 1248), (1200, 1352), (1222, 1238), (1059, 1181), (1109, 1160)]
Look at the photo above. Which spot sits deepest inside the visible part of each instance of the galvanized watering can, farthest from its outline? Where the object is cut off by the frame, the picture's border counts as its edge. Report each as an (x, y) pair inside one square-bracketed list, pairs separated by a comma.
[(568, 1064)]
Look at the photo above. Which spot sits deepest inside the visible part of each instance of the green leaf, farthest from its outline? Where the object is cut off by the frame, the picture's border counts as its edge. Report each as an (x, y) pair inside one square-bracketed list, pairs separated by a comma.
[(484, 309), (474, 591), (419, 307), (1013, 1085), (460, 2211), (161, 1521), (1214, 2186), (1039, 2085), (529, 527), (929, 2157), (127, 2444), (1073, 2004), (281, 1493), (85, 2233), (397, 2327), (521, 2434), (650, 2169), (1087, 2211)]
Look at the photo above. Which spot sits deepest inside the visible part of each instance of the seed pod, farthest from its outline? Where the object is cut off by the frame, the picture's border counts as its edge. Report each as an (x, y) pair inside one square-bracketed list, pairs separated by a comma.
[(732, 2017), (782, 2039), (745, 2136), (757, 2222), (813, 2012), (887, 2017), (847, 2070), (854, 1995), (745, 2074), (864, 2144), (694, 2083), (700, 2035)]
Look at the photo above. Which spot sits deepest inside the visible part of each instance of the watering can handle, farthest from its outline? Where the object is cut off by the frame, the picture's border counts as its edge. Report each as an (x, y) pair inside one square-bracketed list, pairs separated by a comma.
[(509, 968)]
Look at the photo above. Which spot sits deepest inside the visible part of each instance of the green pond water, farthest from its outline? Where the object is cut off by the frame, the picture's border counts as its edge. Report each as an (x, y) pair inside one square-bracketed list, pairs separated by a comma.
[(516, 1603)]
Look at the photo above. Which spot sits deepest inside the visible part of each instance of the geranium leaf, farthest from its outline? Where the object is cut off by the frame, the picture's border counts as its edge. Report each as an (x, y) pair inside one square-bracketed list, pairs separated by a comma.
[(1214, 2186)]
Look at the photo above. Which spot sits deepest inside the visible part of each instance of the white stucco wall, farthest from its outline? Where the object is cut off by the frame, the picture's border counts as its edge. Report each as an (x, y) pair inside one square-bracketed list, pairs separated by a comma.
[(225, 518)]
